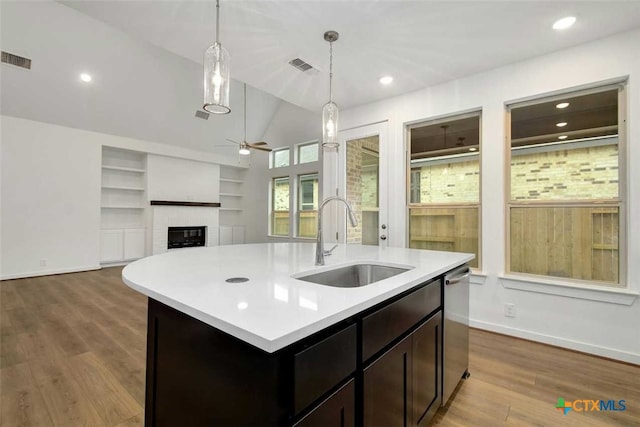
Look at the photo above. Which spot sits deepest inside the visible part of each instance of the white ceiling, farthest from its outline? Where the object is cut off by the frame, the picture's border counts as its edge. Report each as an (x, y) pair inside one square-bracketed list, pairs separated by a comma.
[(420, 43)]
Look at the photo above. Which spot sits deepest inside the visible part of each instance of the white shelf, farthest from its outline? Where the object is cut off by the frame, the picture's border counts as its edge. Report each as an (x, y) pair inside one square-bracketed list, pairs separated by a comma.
[(115, 187), (230, 195), (120, 168), (122, 207), (231, 209), (235, 181)]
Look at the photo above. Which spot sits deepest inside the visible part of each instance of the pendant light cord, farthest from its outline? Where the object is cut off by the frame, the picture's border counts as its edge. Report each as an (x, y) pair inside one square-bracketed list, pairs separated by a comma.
[(330, 71), (218, 21), (245, 113)]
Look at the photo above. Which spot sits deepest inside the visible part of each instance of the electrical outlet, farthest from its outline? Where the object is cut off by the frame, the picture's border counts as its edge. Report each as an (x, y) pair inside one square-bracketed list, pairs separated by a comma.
[(43, 262), (509, 310)]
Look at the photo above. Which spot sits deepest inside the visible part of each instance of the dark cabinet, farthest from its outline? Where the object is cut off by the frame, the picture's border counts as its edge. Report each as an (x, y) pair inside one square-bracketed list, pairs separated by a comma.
[(386, 385), (402, 387), (336, 411), (380, 367)]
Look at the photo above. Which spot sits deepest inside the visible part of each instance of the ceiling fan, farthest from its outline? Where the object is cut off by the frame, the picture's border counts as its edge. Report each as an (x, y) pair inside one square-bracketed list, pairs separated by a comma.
[(245, 146)]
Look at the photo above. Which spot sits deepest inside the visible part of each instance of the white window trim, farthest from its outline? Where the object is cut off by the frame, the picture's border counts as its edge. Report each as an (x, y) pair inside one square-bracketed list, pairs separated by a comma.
[(272, 156), (624, 292), (543, 285), (296, 150)]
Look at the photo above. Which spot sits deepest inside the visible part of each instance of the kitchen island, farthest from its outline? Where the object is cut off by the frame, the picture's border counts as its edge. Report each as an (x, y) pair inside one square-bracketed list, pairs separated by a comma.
[(277, 350)]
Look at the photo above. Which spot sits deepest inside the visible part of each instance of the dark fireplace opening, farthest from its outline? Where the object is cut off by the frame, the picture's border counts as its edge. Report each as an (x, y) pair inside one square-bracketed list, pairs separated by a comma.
[(185, 237)]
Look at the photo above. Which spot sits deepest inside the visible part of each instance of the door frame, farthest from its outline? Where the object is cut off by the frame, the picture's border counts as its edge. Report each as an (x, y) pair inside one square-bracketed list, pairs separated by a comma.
[(381, 130)]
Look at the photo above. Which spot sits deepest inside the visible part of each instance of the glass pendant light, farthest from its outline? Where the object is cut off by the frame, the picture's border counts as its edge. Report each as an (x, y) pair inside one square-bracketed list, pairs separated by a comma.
[(216, 74), (330, 109)]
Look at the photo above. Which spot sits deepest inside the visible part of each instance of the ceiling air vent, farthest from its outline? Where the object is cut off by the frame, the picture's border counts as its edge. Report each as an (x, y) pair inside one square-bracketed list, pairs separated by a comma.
[(202, 115), (300, 64), (18, 61)]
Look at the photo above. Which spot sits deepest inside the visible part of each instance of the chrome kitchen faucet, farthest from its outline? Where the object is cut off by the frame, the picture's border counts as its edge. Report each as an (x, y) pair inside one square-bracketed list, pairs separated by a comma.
[(320, 252)]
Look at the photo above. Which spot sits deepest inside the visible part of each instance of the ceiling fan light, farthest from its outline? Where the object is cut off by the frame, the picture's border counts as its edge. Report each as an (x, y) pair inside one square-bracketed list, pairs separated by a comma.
[(244, 149), (216, 75)]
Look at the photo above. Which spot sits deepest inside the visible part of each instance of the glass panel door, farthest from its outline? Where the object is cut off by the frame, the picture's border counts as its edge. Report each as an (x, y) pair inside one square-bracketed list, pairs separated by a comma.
[(363, 188)]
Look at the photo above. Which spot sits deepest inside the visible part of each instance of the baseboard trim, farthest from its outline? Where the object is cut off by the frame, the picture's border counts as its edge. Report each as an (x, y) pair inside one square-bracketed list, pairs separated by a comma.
[(596, 350), (49, 272)]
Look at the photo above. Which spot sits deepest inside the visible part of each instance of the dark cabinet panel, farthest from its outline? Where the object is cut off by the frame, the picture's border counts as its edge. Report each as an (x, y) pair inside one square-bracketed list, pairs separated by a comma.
[(386, 387), (426, 369), (337, 411), (319, 368), (388, 323), (402, 387)]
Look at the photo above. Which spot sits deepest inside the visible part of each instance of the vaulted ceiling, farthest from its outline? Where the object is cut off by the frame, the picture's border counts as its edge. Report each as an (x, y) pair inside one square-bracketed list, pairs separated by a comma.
[(419, 43)]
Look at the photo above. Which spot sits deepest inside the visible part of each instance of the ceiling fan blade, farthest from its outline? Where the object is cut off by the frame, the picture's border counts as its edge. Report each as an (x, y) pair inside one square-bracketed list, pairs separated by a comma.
[(260, 148), (258, 143), (231, 140)]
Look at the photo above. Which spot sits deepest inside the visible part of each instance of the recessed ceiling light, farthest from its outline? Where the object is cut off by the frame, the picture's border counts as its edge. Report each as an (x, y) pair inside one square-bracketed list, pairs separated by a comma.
[(85, 77), (472, 149), (386, 80), (562, 105), (242, 305), (561, 124), (562, 137), (564, 23)]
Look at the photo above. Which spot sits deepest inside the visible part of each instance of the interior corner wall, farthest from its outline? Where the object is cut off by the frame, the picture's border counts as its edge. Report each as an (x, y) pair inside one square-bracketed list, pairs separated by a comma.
[(291, 125), (50, 216), (597, 327)]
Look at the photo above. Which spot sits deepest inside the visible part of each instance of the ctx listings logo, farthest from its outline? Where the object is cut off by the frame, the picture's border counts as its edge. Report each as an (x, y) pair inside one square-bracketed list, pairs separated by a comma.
[(587, 405)]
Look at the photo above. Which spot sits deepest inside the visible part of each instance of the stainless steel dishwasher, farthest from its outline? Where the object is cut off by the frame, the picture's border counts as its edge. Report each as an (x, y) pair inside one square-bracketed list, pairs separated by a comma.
[(455, 330)]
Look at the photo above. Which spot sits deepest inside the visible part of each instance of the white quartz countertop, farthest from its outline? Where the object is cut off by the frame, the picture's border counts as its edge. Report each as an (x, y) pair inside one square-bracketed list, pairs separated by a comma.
[(272, 310)]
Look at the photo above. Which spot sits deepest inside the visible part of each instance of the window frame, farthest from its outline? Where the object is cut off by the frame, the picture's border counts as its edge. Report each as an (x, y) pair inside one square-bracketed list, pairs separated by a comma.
[(272, 158), (272, 210), (621, 202), (296, 152), (409, 205), (299, 210)]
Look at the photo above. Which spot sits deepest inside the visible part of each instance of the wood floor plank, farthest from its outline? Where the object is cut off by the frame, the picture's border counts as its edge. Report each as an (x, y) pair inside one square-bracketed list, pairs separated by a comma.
[(21, 401), (73, 349), (111, 400), (65, 400)]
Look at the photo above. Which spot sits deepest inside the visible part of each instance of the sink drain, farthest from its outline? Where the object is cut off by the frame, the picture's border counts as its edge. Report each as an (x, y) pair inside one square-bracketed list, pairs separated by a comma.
[(237, 280)]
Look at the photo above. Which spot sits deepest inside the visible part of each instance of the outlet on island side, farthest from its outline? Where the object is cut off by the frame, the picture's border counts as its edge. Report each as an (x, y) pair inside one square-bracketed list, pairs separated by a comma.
[(509, 310)]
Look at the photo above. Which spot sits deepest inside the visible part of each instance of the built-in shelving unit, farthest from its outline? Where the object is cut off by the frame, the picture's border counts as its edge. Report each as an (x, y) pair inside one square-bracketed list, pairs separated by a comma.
[(232, 206), (123, 214)]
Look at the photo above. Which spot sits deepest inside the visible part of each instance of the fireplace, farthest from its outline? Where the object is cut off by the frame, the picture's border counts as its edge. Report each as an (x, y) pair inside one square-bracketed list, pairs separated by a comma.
[(186, 237)]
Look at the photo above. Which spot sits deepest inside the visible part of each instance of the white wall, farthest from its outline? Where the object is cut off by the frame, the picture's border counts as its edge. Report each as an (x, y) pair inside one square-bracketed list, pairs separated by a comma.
[(50, 194), (603, 328), (182, 180), (138, 90), (290, 125), (50, 199)]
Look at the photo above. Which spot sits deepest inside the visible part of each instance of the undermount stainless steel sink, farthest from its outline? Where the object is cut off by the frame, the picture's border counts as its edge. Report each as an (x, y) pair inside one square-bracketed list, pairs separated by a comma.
[(353, 276)]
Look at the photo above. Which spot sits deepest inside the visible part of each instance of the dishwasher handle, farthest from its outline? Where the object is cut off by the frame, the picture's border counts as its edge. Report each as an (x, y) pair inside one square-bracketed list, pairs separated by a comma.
[(456, 277)]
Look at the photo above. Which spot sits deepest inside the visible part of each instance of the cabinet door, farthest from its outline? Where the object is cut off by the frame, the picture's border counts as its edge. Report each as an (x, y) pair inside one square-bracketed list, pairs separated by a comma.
[(387, 386), (426, 369), (111, 245), (336, 411), (134, 243)]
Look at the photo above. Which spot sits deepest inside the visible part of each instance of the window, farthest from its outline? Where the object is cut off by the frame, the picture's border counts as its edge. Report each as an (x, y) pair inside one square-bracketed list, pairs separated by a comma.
[(307, 152), (565, 186), (307, 205), (280, 158), (280, 206), (444, 185)]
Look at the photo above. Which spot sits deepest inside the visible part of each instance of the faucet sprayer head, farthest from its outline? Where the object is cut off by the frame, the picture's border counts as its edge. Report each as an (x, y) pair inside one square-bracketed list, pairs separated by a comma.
[(352, 218)]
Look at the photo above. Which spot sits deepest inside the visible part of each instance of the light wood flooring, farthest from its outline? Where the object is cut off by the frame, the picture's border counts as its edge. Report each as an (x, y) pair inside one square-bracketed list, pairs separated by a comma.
[(72, 352)]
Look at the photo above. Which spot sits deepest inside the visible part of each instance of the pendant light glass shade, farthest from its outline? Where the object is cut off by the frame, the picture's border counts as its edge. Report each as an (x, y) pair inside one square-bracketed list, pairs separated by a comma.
[(216, 75), (330, 125), (330, 109)]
